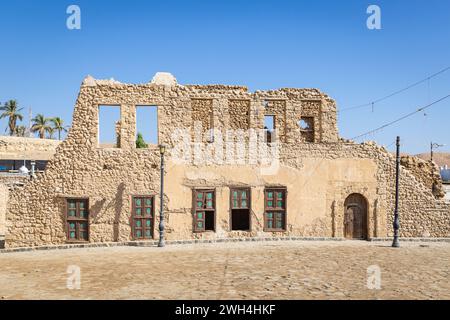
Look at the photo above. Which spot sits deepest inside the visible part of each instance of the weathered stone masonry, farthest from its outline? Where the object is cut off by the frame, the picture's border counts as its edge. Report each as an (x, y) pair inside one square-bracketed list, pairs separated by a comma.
[(318, 176)]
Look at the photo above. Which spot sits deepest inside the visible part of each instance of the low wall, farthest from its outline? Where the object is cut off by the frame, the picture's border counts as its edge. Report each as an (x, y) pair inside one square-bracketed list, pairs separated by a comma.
[(20, 148)]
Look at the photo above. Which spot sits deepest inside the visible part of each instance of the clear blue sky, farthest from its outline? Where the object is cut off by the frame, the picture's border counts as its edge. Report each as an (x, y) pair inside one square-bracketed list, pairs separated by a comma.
[(261, 44)]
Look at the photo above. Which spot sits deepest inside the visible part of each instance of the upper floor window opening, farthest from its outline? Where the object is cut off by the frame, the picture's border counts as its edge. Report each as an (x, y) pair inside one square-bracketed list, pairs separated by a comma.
[(269, 127), (306, 125), (109, 126), (146, 126)]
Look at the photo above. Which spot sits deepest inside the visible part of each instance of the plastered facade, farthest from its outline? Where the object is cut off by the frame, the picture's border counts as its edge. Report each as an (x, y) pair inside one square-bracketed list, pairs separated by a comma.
[(318, 176)]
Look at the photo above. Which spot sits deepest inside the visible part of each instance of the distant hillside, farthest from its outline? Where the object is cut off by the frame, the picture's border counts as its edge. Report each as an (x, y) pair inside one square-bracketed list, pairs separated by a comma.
[(441, 158)]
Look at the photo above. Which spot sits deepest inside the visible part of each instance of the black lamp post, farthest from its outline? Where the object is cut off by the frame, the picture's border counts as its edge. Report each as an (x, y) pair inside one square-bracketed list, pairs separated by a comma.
[(161, 243), (396, 224), (434, 146)]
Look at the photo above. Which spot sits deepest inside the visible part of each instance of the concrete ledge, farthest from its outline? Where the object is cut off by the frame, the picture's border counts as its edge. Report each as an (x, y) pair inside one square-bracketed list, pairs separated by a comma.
[(154, 243)]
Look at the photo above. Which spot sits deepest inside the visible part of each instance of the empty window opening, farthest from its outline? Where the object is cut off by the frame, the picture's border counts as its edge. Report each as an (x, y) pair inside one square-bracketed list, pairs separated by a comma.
[(209, 221), (146, 126), (240, 209), (204, 212), (269, 127), (109, 126), (306, 125), (240, 219)]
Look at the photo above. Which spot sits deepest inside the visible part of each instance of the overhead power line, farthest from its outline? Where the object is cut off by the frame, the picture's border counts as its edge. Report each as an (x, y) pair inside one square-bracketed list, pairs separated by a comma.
[(372, 103), (401, 118)]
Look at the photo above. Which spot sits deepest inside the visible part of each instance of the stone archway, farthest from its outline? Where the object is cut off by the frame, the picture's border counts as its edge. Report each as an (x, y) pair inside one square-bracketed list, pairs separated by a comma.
[(355, 217)]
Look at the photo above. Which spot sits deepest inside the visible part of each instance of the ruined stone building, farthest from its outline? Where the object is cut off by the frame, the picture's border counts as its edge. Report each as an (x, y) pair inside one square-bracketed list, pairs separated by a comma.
[(315, 185), (18, 157)]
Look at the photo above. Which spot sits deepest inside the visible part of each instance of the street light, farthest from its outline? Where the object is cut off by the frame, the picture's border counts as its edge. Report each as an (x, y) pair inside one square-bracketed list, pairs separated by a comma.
[(434, 146), (161, 243), (33, 166), (396, 224)]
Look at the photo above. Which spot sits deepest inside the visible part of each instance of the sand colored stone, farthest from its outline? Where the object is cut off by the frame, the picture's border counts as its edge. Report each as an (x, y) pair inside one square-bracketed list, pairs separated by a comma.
[(319, 176)]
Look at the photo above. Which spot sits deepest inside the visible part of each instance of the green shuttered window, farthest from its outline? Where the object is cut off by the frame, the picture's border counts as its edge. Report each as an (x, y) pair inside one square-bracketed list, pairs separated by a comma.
[(204, 210), (77, 223), (142, 217), (275, 209)]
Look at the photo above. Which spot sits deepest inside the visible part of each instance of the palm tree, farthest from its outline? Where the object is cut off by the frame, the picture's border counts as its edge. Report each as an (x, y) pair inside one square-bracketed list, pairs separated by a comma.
[(58, 125), (40, 125), (21, 131), (11, 111), (51, 131)]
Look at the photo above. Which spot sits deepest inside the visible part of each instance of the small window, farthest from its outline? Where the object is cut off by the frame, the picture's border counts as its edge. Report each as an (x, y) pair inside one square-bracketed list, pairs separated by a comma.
[(269, 127), (146, 126), (306, 125), (275, 209), (143, 218), (204, 210), (109, 127), (77, 220), (240, 209)]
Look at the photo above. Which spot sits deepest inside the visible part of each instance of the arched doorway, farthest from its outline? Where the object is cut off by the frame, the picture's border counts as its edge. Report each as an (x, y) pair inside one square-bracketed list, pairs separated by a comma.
[(355, 217)]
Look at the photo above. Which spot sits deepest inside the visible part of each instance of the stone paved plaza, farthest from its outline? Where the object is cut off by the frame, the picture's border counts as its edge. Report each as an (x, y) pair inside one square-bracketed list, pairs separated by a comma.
[(257, 270)]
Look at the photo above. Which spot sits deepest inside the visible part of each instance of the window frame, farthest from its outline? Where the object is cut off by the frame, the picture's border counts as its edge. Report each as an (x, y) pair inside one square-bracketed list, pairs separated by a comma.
[(275, 210), (195, 219), (77, 220), (133, 217), (249, 206)]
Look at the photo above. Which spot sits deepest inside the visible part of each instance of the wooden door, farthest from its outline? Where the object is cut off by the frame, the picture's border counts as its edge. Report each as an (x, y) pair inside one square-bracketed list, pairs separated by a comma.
[(348, 223), (355, 217)]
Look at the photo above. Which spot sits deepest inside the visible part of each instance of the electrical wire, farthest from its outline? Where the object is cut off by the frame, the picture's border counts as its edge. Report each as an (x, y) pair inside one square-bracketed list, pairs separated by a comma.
[(372, 103), (401, 118)]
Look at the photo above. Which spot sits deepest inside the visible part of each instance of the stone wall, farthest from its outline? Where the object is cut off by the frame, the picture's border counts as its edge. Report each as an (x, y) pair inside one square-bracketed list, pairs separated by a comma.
[(425, 171), (4, 192), (17, 148), (319, 176), (202, 114), (12, 180), (239, 111)]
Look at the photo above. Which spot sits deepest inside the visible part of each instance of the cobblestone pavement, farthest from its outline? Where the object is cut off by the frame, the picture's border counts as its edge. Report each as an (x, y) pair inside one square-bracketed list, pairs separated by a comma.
[(257, 270)]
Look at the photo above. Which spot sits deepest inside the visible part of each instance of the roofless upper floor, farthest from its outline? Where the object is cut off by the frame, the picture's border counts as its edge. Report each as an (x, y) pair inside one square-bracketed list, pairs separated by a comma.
[(288, 115)]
